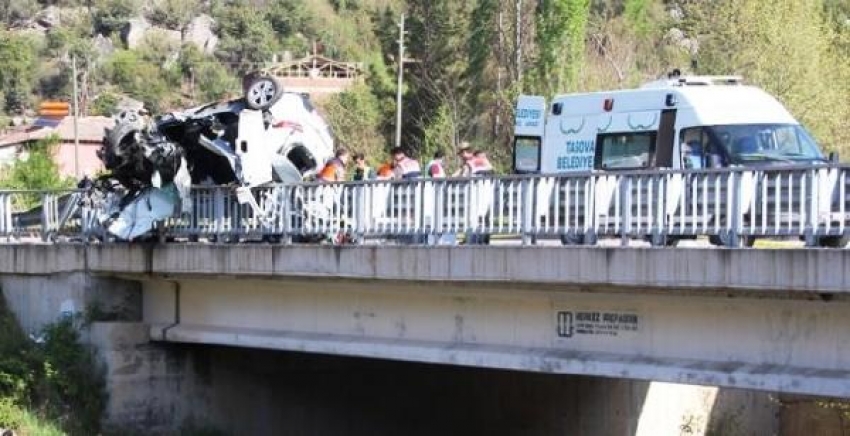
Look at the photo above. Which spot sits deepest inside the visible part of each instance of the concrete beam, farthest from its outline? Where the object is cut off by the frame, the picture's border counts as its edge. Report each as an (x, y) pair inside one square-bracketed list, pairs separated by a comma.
[(778, 271), (776, 345)]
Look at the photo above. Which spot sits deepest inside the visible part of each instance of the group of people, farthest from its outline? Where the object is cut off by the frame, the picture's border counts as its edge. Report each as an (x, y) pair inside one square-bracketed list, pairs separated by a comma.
[(403, 167)]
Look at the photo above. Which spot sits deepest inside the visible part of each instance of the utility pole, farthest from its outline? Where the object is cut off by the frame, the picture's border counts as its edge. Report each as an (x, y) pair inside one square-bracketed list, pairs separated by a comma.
[(519, 43), (76, 110), (401, 34)]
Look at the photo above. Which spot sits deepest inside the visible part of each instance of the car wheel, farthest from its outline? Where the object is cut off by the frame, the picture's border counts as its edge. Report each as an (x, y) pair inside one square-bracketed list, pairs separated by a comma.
[(834, 241), (722, 240), (262, 93)]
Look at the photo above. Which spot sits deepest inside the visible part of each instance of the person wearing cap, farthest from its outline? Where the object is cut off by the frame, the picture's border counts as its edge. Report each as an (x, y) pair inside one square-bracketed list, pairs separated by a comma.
[(465, 153), (435, 168), (334, 170), (405, 167)]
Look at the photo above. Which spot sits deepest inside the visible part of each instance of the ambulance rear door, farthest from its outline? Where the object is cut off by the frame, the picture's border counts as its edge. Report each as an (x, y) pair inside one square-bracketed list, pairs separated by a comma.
[(528, 134)]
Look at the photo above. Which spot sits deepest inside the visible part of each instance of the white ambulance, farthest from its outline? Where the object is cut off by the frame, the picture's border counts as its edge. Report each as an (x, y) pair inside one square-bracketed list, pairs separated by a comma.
[(681, 122)]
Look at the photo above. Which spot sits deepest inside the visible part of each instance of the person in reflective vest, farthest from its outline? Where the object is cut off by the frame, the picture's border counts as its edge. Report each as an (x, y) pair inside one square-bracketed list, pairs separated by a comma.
[(385, 172), (466, 155), (481, 166), (435, 168), (405, 167), (334, 170)]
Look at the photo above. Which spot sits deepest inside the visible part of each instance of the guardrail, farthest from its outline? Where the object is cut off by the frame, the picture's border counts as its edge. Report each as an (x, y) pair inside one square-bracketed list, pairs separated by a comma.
[(731, 206)]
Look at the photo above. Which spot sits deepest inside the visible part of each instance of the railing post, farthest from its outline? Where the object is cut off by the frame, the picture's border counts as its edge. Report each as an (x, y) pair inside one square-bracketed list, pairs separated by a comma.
[(527, 203), (45, 217), (735, 218), (625, 188), (809, 209), (439, 207), (5, 215)]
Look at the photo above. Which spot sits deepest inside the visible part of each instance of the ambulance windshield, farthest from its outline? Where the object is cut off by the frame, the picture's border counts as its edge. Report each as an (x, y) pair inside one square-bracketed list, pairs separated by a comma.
[(746, 143), (750, 143)]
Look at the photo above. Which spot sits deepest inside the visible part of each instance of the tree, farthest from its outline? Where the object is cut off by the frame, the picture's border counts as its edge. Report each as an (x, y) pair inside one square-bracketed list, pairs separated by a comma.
[(14, 11), (561, 26), (137, 77), (175, 14), (247, 38), (111, 15), (19, 56), (35, 170), (355, 118), (437, 43), (785, 47)]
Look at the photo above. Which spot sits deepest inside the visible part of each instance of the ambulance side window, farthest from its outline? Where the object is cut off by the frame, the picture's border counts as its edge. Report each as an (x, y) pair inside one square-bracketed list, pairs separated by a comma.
[(625, 150), (693, 146), (700, 150)]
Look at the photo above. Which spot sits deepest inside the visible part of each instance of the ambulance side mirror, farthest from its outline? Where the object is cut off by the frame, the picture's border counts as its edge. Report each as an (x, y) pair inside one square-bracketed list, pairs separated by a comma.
[(833, 157)]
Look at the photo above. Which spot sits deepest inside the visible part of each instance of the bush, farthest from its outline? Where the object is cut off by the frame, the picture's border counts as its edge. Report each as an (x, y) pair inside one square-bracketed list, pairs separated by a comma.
[(55, 380), (38, 171)]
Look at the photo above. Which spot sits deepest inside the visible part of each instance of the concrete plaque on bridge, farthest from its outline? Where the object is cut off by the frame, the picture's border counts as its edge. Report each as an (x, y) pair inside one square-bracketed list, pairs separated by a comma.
[(597, 323)]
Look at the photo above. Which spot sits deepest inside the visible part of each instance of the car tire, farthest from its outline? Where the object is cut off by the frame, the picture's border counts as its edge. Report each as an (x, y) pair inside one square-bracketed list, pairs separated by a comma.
[(262, 93), (723, 241), (833, 241)]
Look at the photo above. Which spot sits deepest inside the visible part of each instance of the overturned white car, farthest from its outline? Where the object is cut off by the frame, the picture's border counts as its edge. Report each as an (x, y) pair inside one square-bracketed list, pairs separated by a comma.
[(267, 136)]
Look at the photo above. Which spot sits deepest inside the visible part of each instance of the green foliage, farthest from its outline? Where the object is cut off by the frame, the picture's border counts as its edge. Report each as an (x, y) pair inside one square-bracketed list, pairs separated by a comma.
[(355, 118), (636, 13), (141, 78), (470, 59), (439, 135), (55, 380), (16, 417), (437, 79), (788, 49), (36, 171), (213, 81), (561, 26), (174, 14), (13, 11), (111, 15), (18, 54), (105, 104), (247, 38)]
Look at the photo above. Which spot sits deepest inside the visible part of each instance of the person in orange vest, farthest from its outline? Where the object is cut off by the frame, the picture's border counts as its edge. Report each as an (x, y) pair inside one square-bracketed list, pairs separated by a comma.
[(405, 167), (334, 170), (435, 168), (385, 172)]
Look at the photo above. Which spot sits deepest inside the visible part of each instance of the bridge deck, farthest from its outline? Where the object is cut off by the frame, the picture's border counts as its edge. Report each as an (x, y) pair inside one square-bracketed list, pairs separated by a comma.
[(773, 271)]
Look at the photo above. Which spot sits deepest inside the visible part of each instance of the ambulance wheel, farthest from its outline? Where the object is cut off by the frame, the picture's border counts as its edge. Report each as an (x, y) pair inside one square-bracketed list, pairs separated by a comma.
[(578, 239), (262, 93), (834, 241), (273, 239), (663, 241), (572, 239)]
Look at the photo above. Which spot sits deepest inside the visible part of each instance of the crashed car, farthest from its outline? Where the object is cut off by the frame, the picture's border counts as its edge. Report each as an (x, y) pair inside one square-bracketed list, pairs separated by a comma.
[(268, 136)]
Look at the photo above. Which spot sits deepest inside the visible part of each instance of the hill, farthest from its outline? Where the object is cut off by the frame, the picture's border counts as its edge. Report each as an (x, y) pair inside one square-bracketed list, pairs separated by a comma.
[(466, 63)]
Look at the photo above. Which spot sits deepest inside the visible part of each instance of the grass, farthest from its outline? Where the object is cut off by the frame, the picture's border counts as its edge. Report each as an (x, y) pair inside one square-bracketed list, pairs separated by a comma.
[(24, 422)]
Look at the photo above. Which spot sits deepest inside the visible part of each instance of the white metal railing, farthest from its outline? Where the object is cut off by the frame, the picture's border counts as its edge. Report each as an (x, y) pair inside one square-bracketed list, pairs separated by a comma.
[(728, 205)]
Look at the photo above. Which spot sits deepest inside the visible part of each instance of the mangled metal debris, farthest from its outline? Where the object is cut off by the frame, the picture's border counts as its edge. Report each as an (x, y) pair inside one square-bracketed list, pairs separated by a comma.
[(268, 136)]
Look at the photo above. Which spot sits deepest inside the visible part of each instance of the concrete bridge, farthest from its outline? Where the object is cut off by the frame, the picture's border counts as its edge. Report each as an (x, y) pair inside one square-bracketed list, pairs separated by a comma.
[(771, 320)]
